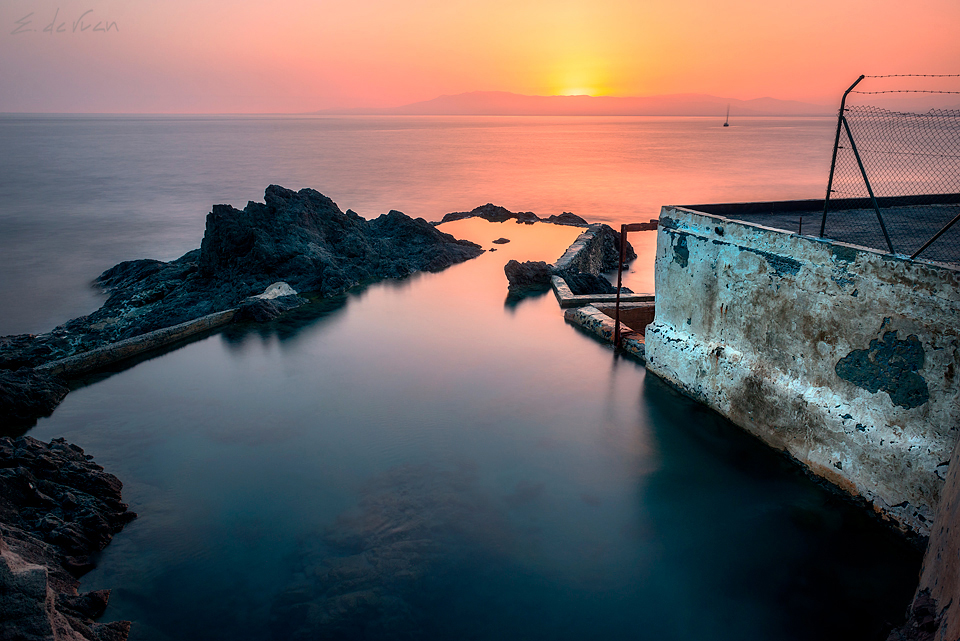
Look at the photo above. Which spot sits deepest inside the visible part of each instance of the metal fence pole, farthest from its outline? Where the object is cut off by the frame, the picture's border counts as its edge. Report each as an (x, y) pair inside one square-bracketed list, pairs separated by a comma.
[(833, 161), (866, 181)]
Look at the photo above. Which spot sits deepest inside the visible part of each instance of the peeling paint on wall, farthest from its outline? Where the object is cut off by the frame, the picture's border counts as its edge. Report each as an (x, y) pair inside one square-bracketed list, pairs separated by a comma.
[(890, 365), (681, 254)]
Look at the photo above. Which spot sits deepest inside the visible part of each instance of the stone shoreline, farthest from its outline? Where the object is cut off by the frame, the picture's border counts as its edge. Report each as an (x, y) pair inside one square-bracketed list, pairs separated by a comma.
[(57, 507)]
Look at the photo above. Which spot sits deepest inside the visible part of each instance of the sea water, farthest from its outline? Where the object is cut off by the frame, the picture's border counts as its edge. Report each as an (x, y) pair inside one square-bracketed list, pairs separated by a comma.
[(422, 458)]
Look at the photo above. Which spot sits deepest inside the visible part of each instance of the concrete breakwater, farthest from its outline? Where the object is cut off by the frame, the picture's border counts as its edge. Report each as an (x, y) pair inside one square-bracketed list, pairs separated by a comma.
[(131, 347), (843, 357)]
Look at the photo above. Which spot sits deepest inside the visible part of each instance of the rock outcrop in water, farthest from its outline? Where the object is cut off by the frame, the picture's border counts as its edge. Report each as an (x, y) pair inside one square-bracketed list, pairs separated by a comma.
[(596, 250), (497, 214), (57, 507), (300, 238)]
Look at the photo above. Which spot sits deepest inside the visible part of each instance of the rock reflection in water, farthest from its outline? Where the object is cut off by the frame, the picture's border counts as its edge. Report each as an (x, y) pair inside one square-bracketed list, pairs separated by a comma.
[(385, 568)]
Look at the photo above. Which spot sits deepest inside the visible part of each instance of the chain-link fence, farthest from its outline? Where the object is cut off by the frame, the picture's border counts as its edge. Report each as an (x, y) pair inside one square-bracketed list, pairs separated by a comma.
[(895, 179)]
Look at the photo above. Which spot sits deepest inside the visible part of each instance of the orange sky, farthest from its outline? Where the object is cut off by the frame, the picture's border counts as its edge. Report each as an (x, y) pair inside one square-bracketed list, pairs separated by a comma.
[(295, 55)]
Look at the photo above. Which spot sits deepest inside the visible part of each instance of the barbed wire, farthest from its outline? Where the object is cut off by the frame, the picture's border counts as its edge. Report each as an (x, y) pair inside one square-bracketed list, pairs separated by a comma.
[(906, 91), (912, 162), (903, 153), (918, 75)]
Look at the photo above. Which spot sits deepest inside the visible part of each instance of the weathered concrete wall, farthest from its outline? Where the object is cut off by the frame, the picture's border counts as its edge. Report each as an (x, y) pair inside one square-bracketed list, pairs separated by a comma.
[(594, 251), (940, 576), (844, 357)]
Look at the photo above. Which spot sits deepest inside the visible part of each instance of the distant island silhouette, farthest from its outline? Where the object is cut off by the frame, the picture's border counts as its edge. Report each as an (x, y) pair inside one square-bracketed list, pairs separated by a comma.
[(503, 103)]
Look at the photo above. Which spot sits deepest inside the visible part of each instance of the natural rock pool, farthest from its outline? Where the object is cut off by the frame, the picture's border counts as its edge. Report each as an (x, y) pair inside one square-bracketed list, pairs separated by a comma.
[(420, 460)]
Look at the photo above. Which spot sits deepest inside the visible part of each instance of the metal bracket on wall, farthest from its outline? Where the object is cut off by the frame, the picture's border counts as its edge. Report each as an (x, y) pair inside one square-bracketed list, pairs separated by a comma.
[(623, 257)]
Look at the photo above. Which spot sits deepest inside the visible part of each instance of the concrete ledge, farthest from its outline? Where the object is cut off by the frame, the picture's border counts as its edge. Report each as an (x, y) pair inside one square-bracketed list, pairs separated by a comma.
[(595, 322), (567, 298), (130, 347)]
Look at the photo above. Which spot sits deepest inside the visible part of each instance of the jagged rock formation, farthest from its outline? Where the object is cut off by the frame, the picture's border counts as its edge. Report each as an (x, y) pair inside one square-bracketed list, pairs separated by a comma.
[(493, 213), (566, 218), (301, 238), (57, 507)]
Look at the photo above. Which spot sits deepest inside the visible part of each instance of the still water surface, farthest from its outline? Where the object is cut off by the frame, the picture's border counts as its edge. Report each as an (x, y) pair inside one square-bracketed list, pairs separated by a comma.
[(419, 459)]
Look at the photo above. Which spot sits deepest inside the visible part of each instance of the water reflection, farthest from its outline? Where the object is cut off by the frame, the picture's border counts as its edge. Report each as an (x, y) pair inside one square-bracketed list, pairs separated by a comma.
[(395, 567), (289, 325), (789, 559), (415, 462)]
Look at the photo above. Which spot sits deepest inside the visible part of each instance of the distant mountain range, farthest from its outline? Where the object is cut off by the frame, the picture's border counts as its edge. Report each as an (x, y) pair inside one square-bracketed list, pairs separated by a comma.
[(502, 103)]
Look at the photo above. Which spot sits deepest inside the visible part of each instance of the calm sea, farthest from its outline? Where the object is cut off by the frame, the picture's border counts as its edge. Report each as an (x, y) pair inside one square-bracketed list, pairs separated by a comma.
[(420, 459)]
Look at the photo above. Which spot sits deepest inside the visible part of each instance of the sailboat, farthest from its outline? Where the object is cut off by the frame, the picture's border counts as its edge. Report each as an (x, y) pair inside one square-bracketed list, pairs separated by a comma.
[(726, 123)]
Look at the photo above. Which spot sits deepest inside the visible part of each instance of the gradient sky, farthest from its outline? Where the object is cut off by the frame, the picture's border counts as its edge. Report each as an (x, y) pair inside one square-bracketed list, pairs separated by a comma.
[(246, 56)]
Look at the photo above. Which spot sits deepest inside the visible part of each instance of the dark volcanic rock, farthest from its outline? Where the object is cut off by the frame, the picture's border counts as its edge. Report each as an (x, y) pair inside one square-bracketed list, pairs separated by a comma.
[(299, 237), (56, 508), (25, 396), (610, 241), (501, 241), (567, 218), (260, 310), (527, 276), (493, 213), (304, 239)]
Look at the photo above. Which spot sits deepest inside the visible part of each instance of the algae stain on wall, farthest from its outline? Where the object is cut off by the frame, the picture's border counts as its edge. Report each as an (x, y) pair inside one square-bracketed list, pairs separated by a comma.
[(890, 365)]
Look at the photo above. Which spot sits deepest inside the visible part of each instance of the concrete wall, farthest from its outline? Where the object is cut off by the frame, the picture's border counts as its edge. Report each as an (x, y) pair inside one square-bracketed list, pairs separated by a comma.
[(594, 251), (844, 357), (940, 577)]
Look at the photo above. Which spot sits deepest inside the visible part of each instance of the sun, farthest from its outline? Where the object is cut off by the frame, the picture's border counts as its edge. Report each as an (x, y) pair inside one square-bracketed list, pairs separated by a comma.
[(577, 91)]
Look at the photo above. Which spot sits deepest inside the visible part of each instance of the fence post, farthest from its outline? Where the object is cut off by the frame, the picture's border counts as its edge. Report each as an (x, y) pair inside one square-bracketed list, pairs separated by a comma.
[(866, 181), (833, 161)]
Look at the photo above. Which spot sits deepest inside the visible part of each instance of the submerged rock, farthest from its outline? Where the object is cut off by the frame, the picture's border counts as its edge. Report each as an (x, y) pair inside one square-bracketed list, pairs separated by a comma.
[(273, 302), (384, 569), (497, 214), (57, 507)]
